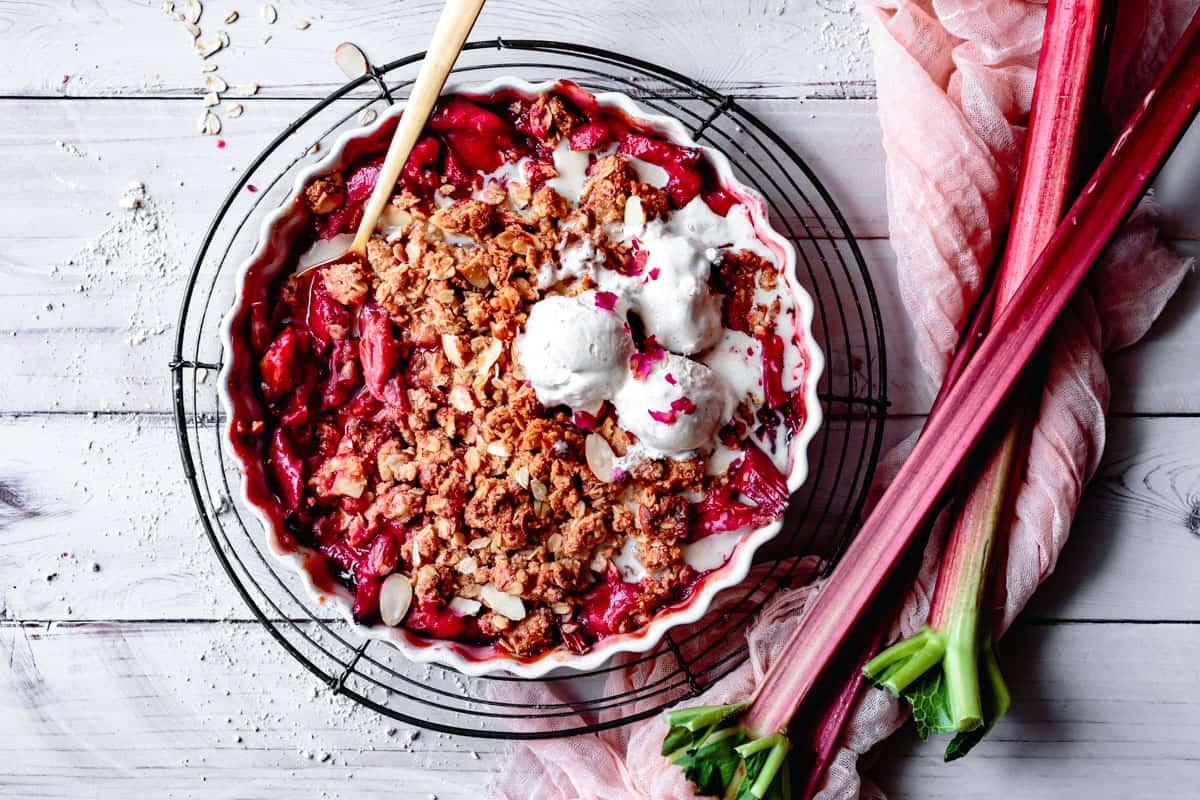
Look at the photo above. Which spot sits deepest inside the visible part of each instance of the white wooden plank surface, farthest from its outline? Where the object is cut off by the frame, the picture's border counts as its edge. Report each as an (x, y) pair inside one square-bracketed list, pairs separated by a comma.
[(69, 311), (173, 710), (676, 33), (106, 696), (108, 494)]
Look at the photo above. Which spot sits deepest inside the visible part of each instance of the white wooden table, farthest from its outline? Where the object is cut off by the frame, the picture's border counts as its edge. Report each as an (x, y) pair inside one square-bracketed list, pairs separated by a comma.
[(132, 669)]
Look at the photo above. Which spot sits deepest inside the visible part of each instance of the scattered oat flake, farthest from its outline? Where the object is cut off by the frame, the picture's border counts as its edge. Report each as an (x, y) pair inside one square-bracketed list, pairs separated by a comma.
[(194, 30), (192, 9), (231, 17), (214, 83), (209, 68), (235, 110), (367, 116), (350, 60), (246, 89), (211, 99), (268, 14), (168, 7), (224, 37), (212, 124), (301, 24)]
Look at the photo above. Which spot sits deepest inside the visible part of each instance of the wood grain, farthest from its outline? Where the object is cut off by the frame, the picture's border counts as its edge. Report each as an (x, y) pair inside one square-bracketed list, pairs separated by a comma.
[(216, 710), (677, 33), (72, 312), (109, 493)]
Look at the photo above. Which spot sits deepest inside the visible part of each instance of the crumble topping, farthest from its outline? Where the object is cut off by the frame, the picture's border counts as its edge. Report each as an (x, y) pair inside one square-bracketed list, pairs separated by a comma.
[(408, 433)]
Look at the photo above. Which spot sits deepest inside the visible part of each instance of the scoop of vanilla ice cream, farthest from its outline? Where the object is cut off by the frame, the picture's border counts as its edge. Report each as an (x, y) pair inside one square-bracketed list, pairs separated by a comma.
[(684, 316), (574, 352), (676, 409)]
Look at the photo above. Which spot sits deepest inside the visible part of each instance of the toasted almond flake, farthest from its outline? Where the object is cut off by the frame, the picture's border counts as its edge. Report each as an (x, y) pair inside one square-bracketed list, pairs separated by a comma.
[(192, 9), (224, 37), (231, 17), (194, 30), (538, 489), (479, 544), (451, 347), (212, 124), (468, 565), (599, 563), (168, 7), (211, 99), (562, 609), (245, 89), (503, 603), (350, 60), (521, 476), (499, 449), (268, 14), (367, 116), (208, 45), (461, 398), (235, 110), (209, 68), (600, 457), (554, 542), (464, 607), (416, 556), (214, 83), (393, 217), (301, 24), (395, 597)]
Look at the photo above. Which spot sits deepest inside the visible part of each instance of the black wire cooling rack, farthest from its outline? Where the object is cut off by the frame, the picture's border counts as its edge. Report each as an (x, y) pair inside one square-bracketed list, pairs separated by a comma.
[(822, 517)]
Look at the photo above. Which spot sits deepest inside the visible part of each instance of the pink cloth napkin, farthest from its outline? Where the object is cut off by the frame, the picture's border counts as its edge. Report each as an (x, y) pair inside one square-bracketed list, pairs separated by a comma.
[(955, 81)]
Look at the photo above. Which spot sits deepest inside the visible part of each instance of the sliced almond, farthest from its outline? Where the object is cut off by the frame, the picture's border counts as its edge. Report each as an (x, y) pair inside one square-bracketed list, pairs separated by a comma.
[(214, 83), (453, 349), (168, 7), (211, 99), (231, 17), (212, 124), (209, 68), (461, 398), (468, 565), (464, 607), (521, 476), (538, 489), (393, 217), (478, 544), (503, 603), (599, 563), (600, 457), (207, 45), (301, 24), (395, 597), (194, 30), (235, 110), (192, 9), (367, 116), (562, 609), (498, 449), (350, 60), (224, 37), (554, 542), (268, 14), (245, 89)]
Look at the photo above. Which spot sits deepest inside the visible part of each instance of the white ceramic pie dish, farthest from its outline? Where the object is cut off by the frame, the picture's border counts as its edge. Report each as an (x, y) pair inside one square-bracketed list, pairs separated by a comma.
[(282, 227)]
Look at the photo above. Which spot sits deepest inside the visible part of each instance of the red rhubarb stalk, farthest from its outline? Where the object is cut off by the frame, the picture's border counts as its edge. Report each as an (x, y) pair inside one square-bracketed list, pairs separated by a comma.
[(948, 671), (950, 433)]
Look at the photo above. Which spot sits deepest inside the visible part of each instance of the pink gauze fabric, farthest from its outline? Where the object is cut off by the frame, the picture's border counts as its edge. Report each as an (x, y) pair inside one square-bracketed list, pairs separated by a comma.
[(955, 83)]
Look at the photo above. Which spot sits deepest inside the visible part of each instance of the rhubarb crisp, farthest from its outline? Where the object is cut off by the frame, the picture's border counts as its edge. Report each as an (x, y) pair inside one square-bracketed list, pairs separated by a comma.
[(569, 360)]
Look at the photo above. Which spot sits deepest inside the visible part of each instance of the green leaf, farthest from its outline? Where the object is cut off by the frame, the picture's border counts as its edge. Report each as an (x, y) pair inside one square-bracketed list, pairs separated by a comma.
[(930, 705)]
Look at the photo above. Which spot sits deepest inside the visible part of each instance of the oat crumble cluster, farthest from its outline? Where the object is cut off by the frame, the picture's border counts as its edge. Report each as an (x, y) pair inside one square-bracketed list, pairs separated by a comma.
[(401, 438)]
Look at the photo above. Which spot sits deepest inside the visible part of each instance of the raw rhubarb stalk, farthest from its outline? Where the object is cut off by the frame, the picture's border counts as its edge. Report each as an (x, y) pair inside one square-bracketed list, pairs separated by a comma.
[(939, 669), (703, 739)]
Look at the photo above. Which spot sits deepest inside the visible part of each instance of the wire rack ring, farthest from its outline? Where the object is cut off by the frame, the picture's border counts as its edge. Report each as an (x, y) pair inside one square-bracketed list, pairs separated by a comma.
[(822, 516)]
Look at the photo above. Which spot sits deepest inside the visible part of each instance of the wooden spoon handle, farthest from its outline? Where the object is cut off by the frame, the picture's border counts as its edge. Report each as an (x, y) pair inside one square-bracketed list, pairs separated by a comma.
[(454, 25)]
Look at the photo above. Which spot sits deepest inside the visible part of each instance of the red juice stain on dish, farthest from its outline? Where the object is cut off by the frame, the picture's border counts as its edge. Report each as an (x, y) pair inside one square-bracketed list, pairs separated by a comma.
[(307, 367)]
